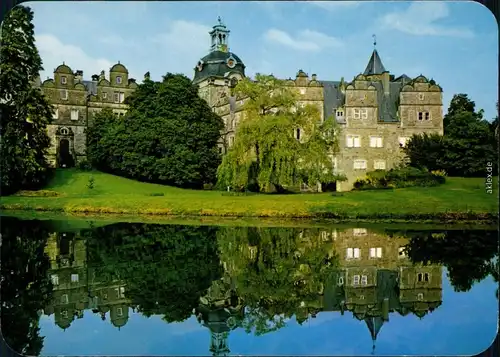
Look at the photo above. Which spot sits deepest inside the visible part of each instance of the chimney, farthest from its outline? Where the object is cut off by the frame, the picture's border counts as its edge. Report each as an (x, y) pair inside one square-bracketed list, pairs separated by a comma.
[(314, 77), (131, 80), (78, 76), (102, 76), (95, 78)]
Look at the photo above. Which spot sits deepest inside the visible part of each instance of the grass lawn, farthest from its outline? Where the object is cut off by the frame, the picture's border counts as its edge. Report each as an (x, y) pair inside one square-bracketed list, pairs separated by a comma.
[(459, 199)]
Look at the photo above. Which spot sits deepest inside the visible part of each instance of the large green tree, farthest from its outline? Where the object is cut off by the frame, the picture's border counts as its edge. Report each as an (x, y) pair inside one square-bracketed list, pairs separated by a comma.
[(24, 111), (279, 142), (25, 285), (468, 144), (169, 136)]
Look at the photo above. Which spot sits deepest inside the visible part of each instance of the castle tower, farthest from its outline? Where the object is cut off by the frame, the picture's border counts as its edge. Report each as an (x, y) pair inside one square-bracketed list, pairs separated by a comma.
[(220, 69), (374, 65)]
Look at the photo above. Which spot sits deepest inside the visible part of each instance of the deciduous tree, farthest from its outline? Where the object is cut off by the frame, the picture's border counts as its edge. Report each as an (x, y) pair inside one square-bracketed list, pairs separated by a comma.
[(24, 111)]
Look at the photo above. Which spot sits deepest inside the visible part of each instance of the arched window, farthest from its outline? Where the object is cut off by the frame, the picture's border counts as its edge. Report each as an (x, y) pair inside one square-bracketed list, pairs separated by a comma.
[(64, 131)]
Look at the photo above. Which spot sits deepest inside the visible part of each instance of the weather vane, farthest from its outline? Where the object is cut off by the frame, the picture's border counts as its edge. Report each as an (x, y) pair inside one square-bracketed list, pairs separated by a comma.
[(374, 40)]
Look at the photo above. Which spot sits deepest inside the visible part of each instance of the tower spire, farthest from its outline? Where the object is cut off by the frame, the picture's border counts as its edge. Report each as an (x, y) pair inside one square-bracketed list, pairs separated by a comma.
[(219, 36)]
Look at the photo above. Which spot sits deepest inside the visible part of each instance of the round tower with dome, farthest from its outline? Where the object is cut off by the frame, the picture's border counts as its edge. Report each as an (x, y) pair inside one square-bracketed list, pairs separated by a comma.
[(220, 69)]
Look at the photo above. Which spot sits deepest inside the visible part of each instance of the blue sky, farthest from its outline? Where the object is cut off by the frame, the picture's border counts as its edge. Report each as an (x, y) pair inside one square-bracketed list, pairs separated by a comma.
[(456, 43), (465, 324)]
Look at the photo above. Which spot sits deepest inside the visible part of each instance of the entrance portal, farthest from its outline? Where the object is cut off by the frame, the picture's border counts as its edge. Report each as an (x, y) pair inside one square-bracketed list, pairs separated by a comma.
[(65, 159)]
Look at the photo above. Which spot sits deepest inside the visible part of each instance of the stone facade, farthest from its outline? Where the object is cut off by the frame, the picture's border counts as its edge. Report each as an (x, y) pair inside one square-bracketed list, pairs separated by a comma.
[(376, 112), (75, 102)]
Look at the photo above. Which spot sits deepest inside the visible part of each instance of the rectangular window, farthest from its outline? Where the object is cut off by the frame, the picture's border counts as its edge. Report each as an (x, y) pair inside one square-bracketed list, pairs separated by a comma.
[(403, 140), (64, 299), (427, 115), (350, 253), (420, 115), (379, 252), (359, 231), (353, 141), (376, 142), (64, 314), (420, 277), (104, 95), (341, 280), (364, 113), (302, 91), (379, 165), (119, 311), (74, 278), (64, 94), (116, 97), (357, 114), (357, 253), (297, 133), (426, 277), (56, 114), (64, 80), (118, 80), (364, 280), (122, 97), (420, 297), (373, 252), (231, 140), (359, 164), (340, 114), (74, 114), (55, 279), (355, 280)]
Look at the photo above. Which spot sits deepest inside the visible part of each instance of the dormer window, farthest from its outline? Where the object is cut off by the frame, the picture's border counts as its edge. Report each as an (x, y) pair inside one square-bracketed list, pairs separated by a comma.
[(297, 134), (118, 80), (339, 114), (64, 80), (64, 94)]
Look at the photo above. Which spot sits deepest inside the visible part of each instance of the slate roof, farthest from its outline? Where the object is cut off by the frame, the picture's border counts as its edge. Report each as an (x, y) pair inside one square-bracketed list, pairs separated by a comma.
[(91, 87), (388, 103), (375, 65), (215, 65), (332, 96)]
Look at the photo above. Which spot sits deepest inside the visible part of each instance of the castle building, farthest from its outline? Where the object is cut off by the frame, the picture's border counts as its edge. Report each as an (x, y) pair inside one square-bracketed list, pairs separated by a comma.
[(377, 112)]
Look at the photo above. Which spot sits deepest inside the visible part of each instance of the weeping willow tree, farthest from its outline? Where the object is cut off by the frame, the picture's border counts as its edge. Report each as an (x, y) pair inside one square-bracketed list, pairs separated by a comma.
[(267, 152)]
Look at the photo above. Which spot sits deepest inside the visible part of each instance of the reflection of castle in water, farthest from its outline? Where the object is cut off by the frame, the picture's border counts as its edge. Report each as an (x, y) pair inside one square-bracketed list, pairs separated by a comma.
[(375, 279)]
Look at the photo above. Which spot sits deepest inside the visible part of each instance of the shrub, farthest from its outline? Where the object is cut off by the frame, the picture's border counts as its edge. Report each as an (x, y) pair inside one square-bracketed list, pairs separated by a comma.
[(84, 165), (90, 184), (208, 186), (157, 194), (39, 193), (399, 178)]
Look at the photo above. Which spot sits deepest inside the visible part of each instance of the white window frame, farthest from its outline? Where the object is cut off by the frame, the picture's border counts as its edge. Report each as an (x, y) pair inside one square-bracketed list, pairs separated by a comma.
[(401, 252), (376, 142), (379, 252), (403, 140), (379, 165), (64, 94), (55, 279), (339, 113), (119, 311), (302, 91), (359, 231), (364, 113), (74, 278), (118, 79), (356, 113), (427, 115), (121, 97), (418, 116), (364, 280), (64, 80), (353, 141), (64, 299), (359, 165), (349, 253), (341, 280), (73, 111), (104, 95), (55, 115), (420, 296), (64, 131), (116, 97), (355, 280), (357, 253)]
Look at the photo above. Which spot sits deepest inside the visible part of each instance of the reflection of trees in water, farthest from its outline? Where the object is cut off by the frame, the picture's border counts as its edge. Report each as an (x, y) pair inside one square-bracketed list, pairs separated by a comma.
[(469, 255), (275, 270), (26, 288), (166, 269)]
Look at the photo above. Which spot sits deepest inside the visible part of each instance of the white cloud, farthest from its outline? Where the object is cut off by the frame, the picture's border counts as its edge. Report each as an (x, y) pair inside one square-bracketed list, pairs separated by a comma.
[(54, 53), (421, 18), (306, 40), (334, 5), (185, 38)]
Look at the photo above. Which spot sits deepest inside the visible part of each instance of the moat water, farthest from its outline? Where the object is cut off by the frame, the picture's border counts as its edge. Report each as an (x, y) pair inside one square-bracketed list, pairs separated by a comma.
[(90, 288)]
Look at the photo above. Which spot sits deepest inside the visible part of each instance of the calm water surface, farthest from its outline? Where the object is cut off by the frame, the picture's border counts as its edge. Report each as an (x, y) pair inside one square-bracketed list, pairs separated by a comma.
[(147, 289)]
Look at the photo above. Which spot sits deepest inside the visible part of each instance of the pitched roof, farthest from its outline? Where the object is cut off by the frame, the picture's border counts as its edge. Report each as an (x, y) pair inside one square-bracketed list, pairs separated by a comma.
[(375, 65)]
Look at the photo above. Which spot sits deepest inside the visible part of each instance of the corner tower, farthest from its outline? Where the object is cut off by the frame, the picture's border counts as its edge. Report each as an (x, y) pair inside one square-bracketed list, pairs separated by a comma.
[(220, 69)]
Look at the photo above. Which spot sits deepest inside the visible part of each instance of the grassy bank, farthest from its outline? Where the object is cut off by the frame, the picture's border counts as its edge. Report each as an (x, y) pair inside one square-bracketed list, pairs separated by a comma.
[(459, 199)]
